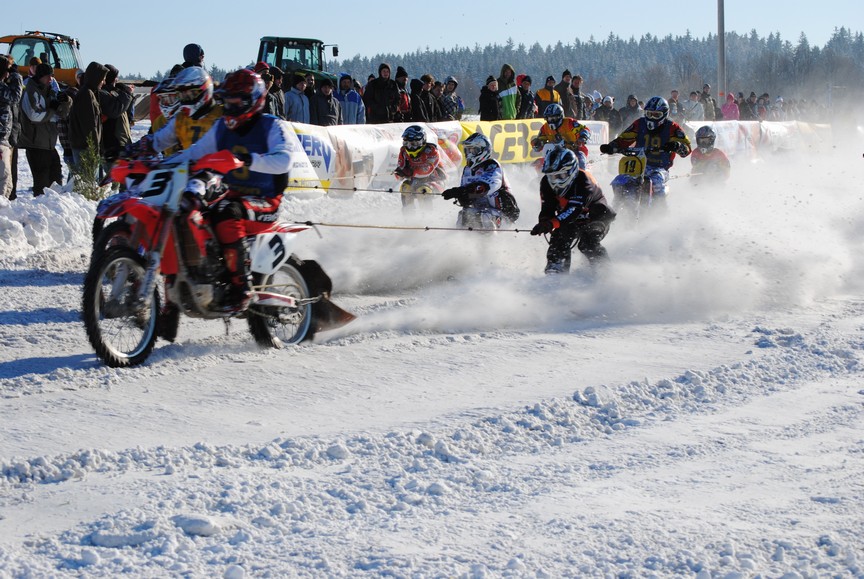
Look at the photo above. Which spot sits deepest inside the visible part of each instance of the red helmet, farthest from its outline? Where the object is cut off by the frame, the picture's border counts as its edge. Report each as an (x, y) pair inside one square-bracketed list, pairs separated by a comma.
[(243, 97)]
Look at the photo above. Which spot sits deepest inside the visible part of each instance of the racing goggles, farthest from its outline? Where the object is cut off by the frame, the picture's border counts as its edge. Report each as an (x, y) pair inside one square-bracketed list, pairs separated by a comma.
[(705, 142), (654, 115), (413, 146), (234, 104), (190, 95), (560, 179), (168, 99)]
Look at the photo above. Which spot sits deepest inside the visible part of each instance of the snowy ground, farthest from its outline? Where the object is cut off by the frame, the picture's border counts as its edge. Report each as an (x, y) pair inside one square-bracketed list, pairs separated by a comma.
[(695, 411)]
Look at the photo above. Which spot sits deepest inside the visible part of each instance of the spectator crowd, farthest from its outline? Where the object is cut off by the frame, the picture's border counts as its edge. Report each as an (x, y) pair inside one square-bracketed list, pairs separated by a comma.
[(36, 113)]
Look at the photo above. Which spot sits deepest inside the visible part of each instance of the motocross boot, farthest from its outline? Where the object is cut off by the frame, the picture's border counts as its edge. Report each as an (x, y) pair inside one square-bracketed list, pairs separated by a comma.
[(239, 292)]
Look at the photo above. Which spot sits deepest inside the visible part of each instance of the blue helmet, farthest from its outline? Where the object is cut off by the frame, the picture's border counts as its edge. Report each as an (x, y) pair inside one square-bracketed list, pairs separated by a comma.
[(554, 115), (656, 112)]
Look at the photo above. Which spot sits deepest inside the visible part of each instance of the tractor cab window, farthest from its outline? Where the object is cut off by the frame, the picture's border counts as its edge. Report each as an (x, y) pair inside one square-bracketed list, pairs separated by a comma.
[(24, 49)]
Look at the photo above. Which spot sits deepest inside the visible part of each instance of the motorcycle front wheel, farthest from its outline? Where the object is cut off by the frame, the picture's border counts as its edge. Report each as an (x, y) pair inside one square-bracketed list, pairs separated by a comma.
[(273, 326), (121, 330)]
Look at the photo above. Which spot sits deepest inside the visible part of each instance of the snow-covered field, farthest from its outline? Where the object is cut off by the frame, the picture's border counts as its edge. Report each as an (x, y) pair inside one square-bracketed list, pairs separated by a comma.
[(695, 411)]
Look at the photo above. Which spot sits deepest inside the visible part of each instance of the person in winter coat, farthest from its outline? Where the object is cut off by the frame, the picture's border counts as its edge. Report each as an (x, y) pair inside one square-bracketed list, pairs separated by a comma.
[(607, 112), (490, 107), (11, 89), (275, 94), (571, 204), (747, 110), (450, 103), (328, 111), (527, 104), (40, 108), (547, 95), (630, 111), (85, 123), (581, 111), (693, 110), (115, 99), (730, 109), (296, 101), (430, 99), (709, 104), (353, 109), (381, 97), (508, 93), (565, 91)]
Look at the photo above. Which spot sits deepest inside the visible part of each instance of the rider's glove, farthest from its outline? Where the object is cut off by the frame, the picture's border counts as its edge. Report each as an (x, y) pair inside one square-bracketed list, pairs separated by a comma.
[(537, 144), (542, 227), (245, 158), (609, 148), (452, 193), (673, 147)]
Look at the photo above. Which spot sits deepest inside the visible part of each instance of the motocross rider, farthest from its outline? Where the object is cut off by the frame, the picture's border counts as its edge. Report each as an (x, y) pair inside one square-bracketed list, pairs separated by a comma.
[(483, 188), (196, 113), (571, 205), (265, 144), (709, 164), (565, 130), (661, 137), (419, 164)]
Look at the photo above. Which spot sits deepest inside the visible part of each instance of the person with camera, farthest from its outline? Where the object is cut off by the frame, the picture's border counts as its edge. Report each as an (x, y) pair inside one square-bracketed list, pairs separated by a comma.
[(41, 108)]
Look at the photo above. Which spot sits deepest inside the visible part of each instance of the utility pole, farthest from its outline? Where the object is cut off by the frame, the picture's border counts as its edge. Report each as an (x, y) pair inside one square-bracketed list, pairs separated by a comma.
[(721, 50)]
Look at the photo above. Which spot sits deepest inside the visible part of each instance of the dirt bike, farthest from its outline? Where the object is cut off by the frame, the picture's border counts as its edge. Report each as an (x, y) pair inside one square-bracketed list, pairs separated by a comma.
[(170, 237), (421, 190), (633, 190)]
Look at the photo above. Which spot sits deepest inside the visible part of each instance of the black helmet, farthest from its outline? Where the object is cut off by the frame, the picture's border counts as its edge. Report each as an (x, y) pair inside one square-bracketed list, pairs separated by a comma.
[(705, 138)]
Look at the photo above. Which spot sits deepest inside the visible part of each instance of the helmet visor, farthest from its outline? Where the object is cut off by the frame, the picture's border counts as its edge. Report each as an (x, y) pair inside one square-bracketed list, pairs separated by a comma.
[(559, 179), (190, 95), (236, 104), (168, 99), (654, 115), (413, 144)]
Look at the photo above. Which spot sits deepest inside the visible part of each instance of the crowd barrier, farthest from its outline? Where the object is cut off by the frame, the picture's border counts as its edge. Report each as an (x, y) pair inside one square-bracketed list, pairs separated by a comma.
[(348, 157)]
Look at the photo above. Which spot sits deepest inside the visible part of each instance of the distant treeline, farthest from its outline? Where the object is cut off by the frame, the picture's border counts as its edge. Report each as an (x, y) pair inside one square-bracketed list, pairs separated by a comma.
[(830, 75)]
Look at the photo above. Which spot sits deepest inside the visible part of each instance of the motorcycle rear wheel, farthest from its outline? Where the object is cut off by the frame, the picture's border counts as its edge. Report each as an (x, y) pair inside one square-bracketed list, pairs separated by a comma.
[(121, 332), (273, 326)]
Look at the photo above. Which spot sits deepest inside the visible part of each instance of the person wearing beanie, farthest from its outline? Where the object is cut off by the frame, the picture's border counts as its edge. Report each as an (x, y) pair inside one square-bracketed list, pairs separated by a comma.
[(353, 109), (296, 102), (85, 123), (547, 96), (11, 90), (193, 55), (490, 105), (527, 99), (382, 97), (41, 107), (327, 111)]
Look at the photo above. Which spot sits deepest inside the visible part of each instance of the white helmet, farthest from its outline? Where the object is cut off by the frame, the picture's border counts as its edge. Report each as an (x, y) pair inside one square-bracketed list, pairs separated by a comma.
[(477, 149), (194, 87)]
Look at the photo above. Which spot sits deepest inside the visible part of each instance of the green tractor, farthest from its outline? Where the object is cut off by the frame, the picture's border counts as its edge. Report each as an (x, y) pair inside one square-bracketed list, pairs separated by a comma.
[(297, 55)]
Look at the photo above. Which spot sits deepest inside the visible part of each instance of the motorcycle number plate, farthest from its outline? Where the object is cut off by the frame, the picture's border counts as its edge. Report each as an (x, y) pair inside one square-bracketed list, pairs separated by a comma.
[(632, 166)]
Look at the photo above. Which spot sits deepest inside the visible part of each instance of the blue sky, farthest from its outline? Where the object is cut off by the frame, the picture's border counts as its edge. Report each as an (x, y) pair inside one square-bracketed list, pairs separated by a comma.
[(145, 37)]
